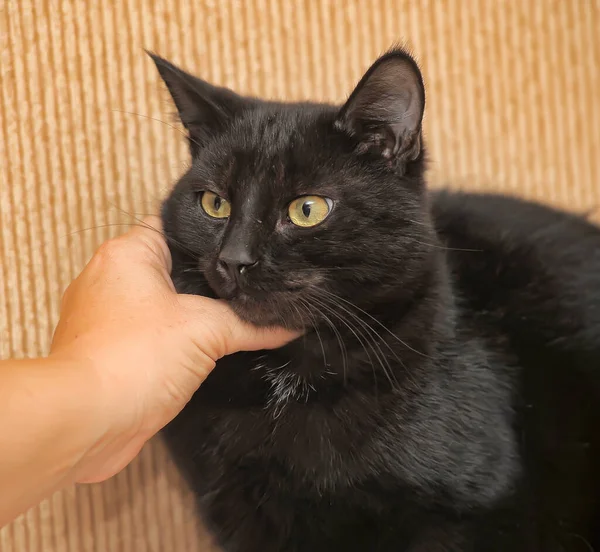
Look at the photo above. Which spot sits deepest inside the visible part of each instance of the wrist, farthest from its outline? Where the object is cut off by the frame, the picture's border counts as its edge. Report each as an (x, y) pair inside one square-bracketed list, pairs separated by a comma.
[(115, 431), (69, 394), (50, 418)]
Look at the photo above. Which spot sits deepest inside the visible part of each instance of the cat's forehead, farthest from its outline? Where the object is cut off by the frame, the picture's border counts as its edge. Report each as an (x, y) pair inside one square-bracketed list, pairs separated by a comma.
[(267, 149), (273, 130)]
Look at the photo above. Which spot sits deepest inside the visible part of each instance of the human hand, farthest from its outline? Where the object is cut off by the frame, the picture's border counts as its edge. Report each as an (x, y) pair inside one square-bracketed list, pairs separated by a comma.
[(147, 349)]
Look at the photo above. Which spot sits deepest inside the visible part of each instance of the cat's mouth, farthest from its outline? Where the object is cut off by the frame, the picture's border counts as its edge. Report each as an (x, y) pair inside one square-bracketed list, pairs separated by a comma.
[(261, 307)]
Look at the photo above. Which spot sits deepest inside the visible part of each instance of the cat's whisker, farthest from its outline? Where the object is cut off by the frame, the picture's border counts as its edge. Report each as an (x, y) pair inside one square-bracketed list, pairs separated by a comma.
[(129, 225), (370, 340), (191, 263), (178, 245), (158, 121), (316, 328), (383, 326), (583, 540), (284, 319), (420, 223), (364, 324), (382, 340), (358, 338), (299, 311), (110, 225), (378, 338), (320, 268), (375, 348), (444, 248), (341, 343), (168, 238)]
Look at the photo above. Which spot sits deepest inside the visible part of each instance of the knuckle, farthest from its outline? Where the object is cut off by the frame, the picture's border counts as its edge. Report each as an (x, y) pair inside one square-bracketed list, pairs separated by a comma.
[(224, 332), (148, 247), (153, 249), (65, 297), (110, 251)]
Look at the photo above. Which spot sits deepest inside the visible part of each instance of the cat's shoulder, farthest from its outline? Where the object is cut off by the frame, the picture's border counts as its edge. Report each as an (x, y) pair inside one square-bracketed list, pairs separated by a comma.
[(535, 267), (540, 236), (490, 214)]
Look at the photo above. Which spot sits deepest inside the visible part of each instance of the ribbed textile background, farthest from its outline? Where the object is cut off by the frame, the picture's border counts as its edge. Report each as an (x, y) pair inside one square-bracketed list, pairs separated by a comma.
[(513, 105)]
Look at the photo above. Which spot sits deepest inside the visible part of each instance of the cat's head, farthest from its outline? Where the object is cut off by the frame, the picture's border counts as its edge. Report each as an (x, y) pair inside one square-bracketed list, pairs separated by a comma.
[(287, 206)]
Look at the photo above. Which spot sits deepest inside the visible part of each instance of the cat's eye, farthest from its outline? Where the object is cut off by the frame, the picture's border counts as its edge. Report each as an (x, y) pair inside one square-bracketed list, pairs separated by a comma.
[(307, 211), (215, 206)]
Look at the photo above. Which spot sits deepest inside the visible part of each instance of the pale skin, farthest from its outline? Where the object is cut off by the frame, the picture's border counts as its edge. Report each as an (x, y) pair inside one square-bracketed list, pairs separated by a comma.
[(127, 355)]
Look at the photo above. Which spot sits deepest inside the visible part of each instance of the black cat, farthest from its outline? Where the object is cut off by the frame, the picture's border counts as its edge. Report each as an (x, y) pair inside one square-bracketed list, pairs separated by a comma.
[(445, 394)]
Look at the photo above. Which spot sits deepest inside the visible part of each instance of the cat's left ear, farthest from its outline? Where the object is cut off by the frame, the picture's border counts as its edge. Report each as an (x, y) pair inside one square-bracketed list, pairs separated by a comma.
[(385, 111)]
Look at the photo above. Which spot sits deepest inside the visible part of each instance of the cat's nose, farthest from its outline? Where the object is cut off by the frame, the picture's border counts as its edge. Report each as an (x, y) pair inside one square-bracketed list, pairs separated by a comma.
[(237, 261)]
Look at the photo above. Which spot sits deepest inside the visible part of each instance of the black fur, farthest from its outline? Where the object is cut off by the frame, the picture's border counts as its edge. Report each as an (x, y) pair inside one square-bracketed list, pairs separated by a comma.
[(445, 394)]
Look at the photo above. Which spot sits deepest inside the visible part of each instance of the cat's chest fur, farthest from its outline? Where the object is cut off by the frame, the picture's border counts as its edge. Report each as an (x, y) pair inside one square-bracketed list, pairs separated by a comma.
[(331, 435)]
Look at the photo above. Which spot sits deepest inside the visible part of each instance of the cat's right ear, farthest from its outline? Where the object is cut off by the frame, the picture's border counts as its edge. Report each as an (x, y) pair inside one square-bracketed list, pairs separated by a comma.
[(204, 109)]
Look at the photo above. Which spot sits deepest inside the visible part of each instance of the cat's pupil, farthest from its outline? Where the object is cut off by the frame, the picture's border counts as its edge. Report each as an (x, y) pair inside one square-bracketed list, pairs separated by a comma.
[(306, 209), (217, 203)]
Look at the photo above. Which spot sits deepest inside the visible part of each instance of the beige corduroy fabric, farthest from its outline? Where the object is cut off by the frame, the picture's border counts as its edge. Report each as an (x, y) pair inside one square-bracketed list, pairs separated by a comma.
[(512, 105)]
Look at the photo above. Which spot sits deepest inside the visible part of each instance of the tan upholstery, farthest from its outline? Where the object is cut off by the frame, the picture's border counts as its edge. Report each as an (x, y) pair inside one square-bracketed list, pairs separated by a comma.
[(513, 105)]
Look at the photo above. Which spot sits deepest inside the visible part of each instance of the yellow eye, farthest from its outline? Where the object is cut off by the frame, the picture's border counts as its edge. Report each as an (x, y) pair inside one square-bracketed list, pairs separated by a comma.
[(307, 211), (215, 206)]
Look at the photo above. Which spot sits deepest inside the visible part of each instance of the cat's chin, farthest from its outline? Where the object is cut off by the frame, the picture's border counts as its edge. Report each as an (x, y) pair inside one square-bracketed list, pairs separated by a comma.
[(266, 312)]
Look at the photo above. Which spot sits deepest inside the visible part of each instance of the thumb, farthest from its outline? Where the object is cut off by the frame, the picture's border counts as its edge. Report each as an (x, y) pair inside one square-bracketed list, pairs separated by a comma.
[(228, 333), (244, 337)]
